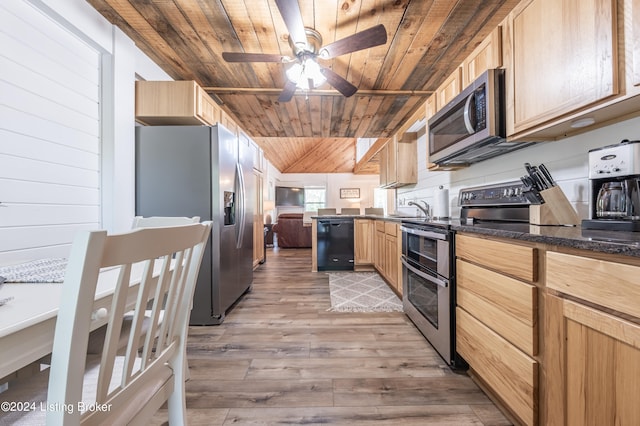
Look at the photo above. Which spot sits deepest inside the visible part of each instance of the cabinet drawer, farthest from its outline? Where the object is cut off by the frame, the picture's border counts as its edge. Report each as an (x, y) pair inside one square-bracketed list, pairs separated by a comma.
[(380, 225), (511, 374), (610, 284), (511, 259), (390, 228), (505, 305)]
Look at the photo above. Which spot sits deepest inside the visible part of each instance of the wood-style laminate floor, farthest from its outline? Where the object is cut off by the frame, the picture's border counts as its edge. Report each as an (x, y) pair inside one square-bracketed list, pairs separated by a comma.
[(280, 358)]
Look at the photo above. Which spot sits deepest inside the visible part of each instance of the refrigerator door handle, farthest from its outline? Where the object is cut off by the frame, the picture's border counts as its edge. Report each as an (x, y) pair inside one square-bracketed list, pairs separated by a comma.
[(242, 207)]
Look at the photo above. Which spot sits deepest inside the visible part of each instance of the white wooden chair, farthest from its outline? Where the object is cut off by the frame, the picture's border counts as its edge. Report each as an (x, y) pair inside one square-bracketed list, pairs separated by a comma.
[(96, 338), (129, 388), (155, 221)]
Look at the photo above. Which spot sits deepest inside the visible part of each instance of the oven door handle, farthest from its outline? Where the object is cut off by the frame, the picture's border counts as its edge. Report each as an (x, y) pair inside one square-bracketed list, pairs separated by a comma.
[(421, 274), (421, 233)]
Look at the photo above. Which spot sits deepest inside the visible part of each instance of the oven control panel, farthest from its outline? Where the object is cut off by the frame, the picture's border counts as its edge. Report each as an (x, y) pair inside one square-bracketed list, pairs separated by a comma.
[(507, 193)]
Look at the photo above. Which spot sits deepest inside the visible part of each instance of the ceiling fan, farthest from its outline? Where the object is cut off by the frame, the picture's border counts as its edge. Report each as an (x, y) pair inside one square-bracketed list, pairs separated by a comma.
[(306, 44)]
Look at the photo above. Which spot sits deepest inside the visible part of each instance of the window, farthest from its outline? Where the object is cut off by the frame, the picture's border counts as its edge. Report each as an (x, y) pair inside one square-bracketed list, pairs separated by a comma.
[(315, 198)]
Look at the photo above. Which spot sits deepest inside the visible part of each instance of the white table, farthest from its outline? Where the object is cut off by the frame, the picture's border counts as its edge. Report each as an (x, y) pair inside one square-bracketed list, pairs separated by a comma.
[(27, 323)]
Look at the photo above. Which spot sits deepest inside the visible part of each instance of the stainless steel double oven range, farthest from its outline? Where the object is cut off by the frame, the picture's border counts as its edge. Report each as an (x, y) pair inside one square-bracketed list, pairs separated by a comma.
[(428, 280)]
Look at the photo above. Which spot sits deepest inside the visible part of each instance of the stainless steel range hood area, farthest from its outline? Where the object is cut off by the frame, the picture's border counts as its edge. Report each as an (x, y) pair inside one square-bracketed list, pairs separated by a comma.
[(472, 127)]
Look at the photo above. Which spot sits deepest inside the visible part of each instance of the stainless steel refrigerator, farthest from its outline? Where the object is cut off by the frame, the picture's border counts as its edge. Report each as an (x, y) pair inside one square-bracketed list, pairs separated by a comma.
[(202, 171)]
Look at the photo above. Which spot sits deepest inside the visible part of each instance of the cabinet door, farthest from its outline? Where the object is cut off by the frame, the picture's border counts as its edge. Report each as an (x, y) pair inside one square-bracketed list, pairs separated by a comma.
[(363, 242), (167, 103), (206, 109), (228, 122), (565, 58), (486, 56), (379, 247), (392, 161), (449, 89), (602, 367), (258, 157), (391, 260), (384, 154), (407, 158), (258, 222)]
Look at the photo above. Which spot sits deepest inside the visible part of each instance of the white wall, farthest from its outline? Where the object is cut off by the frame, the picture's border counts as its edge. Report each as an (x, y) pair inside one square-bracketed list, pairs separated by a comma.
[(333, 182), (109, 165), (567, 160)]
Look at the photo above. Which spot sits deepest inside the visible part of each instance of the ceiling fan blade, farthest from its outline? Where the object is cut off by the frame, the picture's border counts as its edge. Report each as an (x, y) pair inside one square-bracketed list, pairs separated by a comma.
[(374, 36), (290, 11), (254, 57), (287, 92), (340, 84)]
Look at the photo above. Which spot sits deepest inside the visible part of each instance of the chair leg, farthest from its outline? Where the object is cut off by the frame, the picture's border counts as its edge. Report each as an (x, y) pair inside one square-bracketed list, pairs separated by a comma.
[(187, 373), (177, 401)]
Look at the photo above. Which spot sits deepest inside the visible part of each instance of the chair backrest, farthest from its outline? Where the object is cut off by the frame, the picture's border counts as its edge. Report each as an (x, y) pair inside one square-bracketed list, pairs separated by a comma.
[(155, 221), (374, 210), (165, 262), (326, 212), (350, 211)]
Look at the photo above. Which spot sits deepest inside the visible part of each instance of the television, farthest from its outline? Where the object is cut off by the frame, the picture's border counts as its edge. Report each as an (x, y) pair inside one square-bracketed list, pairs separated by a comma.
[(289, 197)]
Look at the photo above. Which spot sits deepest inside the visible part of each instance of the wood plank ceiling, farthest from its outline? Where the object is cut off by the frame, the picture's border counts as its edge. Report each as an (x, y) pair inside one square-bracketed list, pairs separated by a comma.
[(316, 131)]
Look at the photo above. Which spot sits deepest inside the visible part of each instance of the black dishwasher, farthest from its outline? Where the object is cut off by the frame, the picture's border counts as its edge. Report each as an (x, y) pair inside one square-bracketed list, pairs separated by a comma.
[(335, 244)]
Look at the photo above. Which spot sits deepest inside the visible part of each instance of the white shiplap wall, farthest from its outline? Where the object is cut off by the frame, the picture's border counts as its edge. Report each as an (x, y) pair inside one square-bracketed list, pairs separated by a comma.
[(49, 134), (567, 159)]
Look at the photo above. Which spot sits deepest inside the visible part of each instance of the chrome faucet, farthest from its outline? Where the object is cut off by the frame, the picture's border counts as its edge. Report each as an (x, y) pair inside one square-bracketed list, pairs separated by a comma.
[(424, 209)]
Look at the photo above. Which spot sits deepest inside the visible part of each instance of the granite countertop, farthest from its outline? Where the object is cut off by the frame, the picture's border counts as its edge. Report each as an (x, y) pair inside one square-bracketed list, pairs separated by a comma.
[(391, 218), (613, 242)]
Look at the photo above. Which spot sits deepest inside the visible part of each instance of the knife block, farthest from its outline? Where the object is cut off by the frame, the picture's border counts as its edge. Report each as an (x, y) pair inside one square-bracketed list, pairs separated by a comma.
[(556, 210)]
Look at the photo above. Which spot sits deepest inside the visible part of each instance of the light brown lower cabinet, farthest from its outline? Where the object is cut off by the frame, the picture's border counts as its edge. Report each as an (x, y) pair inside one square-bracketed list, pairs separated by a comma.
[(363, 242), (387, 249), (258, 222), (496, 320), (561, 350), (509, 372), (594, 333)]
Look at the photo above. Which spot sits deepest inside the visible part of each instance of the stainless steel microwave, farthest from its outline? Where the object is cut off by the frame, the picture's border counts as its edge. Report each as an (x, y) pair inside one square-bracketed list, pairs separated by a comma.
[(471, 128)]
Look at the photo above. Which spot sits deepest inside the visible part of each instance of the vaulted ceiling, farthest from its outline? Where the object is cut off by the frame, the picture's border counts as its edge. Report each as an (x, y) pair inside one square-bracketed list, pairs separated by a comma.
[(316, 130)]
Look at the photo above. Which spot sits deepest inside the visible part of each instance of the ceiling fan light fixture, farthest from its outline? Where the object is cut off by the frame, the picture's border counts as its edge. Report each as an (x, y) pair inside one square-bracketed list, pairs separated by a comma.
[(306, 74)]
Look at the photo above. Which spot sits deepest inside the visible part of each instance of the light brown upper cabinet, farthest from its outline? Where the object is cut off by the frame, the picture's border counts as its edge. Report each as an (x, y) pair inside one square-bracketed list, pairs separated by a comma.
[(487, 55), (174, 103), (449, 89), (568, 61), (398, 161), (564, 58), (229, 123)]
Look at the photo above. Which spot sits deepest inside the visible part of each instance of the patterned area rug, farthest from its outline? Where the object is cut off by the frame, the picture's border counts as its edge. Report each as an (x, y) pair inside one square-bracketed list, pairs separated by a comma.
[(361, 292)]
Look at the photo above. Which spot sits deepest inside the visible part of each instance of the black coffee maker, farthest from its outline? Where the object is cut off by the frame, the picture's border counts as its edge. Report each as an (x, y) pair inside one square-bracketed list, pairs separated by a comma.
[(614, 193)]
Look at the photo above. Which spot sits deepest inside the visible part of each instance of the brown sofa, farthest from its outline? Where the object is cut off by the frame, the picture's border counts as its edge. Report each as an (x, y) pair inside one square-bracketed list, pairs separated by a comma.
[(290, 232)]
